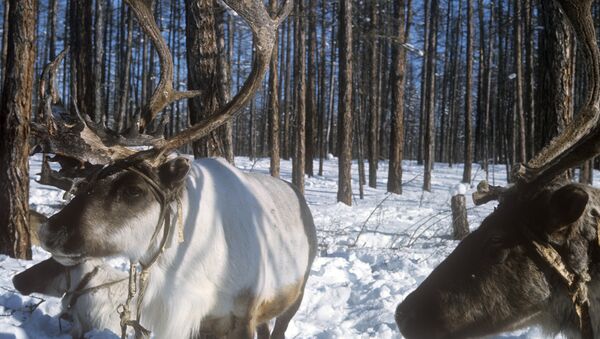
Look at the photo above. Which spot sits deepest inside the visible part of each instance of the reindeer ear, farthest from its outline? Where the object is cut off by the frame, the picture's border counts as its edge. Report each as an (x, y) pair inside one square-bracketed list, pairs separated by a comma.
[(174, 171), (567, 205)]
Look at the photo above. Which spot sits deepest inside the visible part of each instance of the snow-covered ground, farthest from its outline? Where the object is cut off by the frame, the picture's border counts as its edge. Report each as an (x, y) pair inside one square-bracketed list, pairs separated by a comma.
[(371, 255)]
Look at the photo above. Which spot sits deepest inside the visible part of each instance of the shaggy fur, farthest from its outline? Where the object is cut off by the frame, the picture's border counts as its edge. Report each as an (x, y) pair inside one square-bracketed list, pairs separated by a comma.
[(249, 242), (494, 282)]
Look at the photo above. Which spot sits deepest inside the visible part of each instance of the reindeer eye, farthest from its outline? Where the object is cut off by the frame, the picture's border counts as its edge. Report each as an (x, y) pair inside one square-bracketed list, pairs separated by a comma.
[(133, 191)]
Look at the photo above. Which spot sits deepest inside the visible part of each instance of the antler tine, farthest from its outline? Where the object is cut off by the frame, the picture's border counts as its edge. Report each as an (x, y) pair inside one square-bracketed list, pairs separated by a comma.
[(164, 93), (486, 193), (580, 140), (47, 90), (264, 29)]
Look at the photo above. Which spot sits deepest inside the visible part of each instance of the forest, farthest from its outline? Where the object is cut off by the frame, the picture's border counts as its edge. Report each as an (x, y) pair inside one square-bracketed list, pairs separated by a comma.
[(357, 92)]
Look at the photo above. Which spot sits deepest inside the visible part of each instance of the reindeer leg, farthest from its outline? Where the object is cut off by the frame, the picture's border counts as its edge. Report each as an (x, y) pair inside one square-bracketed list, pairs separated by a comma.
[(284, 319), (262, 331)]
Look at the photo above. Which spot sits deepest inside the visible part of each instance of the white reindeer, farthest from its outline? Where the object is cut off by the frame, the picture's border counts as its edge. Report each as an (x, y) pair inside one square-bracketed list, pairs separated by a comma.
[(249, 242), (225, 252), (91, 292)]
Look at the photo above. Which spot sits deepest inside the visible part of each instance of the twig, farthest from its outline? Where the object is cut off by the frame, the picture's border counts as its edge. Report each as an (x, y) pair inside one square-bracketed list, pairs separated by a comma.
[(362, 228)]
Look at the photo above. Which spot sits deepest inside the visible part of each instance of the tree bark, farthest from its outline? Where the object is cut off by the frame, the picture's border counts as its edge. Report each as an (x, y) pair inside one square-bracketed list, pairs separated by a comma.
[(460, 225), (224, 67), (98, 62), (311, 103), (15, 110), (345, 103), (81, 44), (123, 99), (274, 104), (520, 112), (374, 96), (554, 92), (394, 184), (202, 61), (468, 98), (430, 102), (300, 76), (3, 53)]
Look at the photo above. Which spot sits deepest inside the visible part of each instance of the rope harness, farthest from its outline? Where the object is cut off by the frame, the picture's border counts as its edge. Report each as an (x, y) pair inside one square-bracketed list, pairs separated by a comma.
[(80, 290), (164, 197), (575, 282)]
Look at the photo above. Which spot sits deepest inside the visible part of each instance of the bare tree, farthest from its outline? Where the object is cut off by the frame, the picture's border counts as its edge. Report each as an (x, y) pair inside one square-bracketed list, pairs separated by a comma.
[(430, 95), (274, 105), (203, 75), (81, 42), (468, 97), (345, 104), (15, 110), (374, 111), (394, 184)]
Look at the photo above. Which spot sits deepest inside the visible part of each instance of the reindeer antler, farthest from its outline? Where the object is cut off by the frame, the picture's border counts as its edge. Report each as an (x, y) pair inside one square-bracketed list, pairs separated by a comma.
[(580, 141), (486, 193), (164, 93), (90, 143), (264, 29)]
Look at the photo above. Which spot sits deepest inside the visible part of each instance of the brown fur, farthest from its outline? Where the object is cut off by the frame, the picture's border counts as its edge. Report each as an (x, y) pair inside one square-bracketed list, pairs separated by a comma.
[(493, 281), (253, 315)]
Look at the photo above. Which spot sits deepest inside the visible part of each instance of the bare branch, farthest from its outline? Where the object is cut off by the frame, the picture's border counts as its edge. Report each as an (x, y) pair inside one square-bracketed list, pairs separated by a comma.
[(486, 193)]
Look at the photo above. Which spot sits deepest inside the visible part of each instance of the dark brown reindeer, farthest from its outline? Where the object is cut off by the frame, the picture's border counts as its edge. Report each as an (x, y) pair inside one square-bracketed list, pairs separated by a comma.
[(536, 259)]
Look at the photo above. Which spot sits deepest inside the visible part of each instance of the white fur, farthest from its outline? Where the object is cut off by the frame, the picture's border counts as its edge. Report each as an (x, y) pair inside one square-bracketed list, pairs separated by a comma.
[(96, 309), (242, 234)]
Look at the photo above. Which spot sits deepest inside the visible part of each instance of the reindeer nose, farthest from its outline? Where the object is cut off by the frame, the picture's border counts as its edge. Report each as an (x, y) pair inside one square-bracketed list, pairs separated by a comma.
[(417, 321), (404, 315)]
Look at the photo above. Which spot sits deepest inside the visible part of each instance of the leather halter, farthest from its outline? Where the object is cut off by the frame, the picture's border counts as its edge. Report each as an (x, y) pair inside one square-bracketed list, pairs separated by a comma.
[(82, 289), (164, 196), (576, 283)]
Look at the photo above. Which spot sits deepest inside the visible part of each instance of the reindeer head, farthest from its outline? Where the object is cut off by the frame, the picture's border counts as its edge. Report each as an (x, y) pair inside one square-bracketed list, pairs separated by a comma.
[(494, 280), (120, 205), (500, 277), (115, 209)]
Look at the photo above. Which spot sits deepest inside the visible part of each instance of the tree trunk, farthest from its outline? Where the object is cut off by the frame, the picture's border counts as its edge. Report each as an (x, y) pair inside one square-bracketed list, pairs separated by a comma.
[(15, 110), (520, 113), (322, 89), (311, 103), (202, 61), (554, 92), (82, 76), (98, 62), (394, 184), (300, 76), (287, 91), (430, 102), (374, 96), (274, 104), (124, 86), (468, 98), (224, 68), (460, 225), (345, 103)]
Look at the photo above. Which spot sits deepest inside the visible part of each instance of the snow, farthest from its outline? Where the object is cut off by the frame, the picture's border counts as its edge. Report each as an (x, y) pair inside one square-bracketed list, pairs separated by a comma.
[(371, 255)]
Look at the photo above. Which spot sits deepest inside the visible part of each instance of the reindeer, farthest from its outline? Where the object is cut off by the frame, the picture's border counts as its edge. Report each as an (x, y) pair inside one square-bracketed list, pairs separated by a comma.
[(536, 259), (91, 292), (221, 252)]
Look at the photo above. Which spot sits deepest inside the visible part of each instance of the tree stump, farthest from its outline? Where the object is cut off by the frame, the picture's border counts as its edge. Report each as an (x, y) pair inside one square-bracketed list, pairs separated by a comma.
[(460, 225)]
